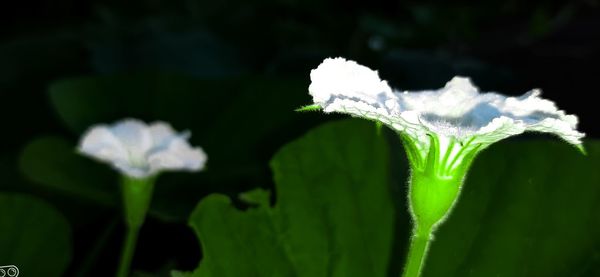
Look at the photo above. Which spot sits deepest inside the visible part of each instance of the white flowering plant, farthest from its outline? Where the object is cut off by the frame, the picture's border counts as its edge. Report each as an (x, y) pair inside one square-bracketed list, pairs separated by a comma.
[(442, 132), (140, 151)]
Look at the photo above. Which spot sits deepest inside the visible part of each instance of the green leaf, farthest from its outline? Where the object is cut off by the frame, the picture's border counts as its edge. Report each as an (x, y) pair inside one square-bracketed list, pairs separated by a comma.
[(33, 236), (83, 102), (54, 163), (528, 208), (333, 214)]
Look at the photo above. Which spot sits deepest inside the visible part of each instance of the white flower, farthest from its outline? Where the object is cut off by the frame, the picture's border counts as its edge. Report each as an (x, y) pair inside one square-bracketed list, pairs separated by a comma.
[(455, 122), (140, 150)]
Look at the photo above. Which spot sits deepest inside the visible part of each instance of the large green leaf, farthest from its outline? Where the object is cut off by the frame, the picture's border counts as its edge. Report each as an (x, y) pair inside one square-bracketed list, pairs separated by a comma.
[(33, 236), (333, 214), (528, 208)]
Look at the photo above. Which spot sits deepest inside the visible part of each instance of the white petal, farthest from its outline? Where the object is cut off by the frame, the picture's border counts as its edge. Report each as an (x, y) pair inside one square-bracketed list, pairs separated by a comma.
[(456, 98), (562, 128), (100, 143), (162, 133), (133, 133), (499, 128), (135, 137), (336, 78), (179, 155)]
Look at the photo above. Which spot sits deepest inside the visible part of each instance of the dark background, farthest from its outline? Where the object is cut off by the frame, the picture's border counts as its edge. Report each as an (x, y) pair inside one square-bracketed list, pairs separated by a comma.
[(506, 46)]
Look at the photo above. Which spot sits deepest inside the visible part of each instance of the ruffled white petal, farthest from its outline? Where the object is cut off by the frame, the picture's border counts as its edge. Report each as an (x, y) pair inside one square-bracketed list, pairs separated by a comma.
[(458, 110), (338, 78), (140, 150), (100, 142), (179, 156), (133, 134), (161, 133)]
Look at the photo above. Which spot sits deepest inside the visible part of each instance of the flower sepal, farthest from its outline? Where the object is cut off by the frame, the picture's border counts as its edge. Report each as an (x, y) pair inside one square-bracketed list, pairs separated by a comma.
[(432, 198), (437, 174), (137, 195), (309, 108)]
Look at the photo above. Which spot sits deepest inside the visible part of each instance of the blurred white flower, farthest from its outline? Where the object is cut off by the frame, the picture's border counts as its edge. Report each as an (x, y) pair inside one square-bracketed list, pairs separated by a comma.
[(456, 121), (140, 150)]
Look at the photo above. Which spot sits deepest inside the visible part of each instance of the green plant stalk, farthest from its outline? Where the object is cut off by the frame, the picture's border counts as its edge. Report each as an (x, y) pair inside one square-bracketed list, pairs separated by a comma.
[(431, 198), (137, 195), (127, 251), (419, 245)]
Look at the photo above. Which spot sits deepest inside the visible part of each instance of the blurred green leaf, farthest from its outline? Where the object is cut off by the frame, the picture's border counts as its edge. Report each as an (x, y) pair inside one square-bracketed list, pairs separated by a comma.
[(261, 117), (53, 163), (333, 215), (82, 102), (33, 236)]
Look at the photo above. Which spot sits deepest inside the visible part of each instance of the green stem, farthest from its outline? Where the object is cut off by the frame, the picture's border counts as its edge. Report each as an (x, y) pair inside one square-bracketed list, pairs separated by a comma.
[(128, 250), (417, 253), (137, 194)]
